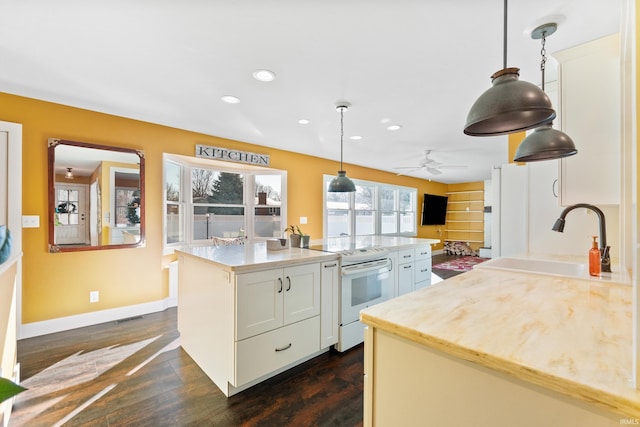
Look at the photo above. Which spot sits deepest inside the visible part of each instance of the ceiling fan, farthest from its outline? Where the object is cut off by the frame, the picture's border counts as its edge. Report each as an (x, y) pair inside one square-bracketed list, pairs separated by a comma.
[(429, 165)]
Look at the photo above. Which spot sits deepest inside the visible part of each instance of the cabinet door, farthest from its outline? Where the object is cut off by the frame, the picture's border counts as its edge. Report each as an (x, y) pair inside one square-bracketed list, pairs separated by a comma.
[(301, 292), (329, 303), (423, 252), (590, 115), (405, 278), (259, 302), (422, 273)]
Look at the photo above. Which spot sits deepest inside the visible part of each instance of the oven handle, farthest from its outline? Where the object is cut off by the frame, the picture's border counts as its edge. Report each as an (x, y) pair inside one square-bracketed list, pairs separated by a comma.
[(366, 267)]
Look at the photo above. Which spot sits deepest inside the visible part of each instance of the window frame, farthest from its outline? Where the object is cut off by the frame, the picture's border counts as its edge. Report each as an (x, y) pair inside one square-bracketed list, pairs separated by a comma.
[(378, 211), (249, 204)]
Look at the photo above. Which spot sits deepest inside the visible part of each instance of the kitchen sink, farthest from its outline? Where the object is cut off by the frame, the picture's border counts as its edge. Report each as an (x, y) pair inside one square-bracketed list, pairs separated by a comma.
[(540, 266)]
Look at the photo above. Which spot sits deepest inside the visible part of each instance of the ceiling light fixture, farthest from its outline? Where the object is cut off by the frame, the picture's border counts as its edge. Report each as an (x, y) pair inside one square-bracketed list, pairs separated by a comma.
[(230, 99), (545, 143), (264, 75), (510, 105), (355, 137), (394, 127), (69, 173), (341, 183), (303, 122)]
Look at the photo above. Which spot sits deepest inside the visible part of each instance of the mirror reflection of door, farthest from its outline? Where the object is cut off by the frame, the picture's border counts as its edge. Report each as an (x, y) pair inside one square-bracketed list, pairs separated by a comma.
[(71, 209)]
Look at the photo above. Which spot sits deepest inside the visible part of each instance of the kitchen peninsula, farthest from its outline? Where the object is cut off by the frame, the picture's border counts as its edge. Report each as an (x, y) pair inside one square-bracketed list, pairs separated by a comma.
[(246, 313), (502, 348)]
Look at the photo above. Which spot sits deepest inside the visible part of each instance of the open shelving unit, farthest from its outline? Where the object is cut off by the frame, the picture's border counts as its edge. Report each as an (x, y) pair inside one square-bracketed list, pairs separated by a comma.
[(465, 217)]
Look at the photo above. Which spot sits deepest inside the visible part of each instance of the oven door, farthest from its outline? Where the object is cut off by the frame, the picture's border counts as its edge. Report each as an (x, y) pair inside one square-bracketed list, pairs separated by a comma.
[(364, 285)]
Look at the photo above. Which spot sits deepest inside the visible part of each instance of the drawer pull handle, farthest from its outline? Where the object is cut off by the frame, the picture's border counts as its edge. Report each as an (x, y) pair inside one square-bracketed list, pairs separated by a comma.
[(407, 266), (331, 265), (424, 271), (288, 283), (286, 347), (280, 281), (406, 256)]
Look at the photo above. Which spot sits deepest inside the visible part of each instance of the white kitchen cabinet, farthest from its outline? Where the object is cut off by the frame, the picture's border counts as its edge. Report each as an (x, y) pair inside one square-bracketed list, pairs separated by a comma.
[(405, 271), (242, 327), (269, 299), (413, 269), (329, 303), (589, 84), (422, 271)]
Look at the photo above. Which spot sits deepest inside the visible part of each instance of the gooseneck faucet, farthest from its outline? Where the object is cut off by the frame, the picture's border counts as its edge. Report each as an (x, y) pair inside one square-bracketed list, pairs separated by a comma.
[(605, 260)]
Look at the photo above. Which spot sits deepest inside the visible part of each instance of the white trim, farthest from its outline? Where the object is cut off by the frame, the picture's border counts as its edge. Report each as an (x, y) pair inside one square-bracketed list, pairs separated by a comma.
[(60, 324)]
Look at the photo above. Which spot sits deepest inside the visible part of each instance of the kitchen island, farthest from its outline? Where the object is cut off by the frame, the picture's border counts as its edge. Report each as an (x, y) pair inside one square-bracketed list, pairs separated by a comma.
[(246, 314), (502, 348)]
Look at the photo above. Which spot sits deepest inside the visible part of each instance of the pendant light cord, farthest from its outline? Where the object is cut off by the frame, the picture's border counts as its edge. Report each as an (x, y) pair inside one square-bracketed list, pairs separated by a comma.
[(504, 36), (341, 133), (543, 52)]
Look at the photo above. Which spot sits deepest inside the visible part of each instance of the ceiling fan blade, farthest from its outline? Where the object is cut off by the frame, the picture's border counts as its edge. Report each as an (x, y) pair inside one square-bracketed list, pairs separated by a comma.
[(409, 171), (453, 167), (434, 171)]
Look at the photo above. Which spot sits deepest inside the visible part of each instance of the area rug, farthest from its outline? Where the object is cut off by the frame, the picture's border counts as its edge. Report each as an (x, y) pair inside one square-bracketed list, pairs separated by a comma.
[(464, 263)]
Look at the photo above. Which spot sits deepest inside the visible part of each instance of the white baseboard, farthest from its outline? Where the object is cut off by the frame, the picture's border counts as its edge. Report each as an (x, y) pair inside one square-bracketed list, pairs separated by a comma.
[(29, 330), (437, 252)]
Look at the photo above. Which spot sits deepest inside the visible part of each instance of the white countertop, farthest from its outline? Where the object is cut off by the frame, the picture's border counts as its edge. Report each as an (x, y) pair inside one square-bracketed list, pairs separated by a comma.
[(389, 242), (255, 255)]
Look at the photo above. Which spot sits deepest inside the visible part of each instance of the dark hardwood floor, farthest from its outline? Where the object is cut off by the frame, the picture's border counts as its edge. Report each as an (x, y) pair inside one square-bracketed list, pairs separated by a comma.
[(134, 373)]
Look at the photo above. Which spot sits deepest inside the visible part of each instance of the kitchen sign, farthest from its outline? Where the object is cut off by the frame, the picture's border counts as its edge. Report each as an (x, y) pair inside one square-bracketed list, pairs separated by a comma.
[(228, 155)]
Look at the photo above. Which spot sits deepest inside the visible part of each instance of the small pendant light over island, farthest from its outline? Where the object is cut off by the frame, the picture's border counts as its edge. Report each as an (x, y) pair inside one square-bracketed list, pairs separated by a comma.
[(342, 183)]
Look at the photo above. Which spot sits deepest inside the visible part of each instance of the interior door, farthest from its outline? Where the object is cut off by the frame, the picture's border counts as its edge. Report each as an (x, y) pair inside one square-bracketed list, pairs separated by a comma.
[(70, 221)]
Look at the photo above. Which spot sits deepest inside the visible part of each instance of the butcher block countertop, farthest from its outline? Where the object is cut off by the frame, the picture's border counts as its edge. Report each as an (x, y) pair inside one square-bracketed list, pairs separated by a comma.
[(570, 335)]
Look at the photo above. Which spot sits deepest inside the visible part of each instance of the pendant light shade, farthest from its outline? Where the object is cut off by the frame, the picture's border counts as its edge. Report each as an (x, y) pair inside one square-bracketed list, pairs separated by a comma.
[(341, 183), (510, 105), (545, 143), (69, 173)]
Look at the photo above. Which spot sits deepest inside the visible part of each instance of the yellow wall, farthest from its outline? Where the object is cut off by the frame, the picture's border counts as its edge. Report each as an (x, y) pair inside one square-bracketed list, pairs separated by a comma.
[(514, 140), (57, 285)]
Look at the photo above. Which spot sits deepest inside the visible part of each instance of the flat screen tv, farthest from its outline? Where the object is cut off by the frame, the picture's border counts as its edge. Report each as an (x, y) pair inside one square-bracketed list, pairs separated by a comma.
[(434, 209)]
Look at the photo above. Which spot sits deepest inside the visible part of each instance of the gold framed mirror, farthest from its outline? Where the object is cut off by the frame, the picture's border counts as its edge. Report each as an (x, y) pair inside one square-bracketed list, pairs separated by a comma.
[(96, 196)]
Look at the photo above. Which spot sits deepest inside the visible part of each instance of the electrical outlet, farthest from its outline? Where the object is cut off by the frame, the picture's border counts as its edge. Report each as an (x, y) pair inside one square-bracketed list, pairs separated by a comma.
[(94, 296), (303, 220), (30, 221)]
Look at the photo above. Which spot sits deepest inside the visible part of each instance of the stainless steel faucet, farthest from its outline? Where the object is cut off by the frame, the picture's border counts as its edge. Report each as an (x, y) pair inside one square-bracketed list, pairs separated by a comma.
[(605, 260)]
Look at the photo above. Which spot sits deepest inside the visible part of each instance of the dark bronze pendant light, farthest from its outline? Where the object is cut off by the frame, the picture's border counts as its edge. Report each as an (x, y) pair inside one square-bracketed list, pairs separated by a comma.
[(544, 143), (341, 183), (510, 105)]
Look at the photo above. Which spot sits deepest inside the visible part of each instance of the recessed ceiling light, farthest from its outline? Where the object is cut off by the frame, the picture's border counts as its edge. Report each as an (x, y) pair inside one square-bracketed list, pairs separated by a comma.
[(356, 137), (393, 127), (264, 75), (304, 121), (385, 120), (230, 99)]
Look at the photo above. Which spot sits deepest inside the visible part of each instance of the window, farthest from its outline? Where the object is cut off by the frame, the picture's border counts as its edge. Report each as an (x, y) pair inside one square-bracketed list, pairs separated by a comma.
[(374, 208), (227, 201), (174, 203)]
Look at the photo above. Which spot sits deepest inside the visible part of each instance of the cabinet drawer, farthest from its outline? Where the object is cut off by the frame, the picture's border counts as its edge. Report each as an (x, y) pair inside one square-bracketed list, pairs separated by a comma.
[(423, 270), (405, 255), (257, 356), (423, 252)]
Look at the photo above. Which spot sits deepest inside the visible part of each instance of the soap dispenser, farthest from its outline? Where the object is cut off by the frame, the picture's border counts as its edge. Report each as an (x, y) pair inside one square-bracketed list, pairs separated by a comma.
[(594, 258)]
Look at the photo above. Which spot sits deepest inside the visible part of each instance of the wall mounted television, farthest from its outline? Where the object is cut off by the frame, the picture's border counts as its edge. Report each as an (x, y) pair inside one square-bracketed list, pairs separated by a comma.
[(434, 209)]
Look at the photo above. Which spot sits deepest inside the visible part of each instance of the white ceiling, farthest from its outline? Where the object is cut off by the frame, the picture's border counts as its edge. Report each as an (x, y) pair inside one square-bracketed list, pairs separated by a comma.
[(417, 63)]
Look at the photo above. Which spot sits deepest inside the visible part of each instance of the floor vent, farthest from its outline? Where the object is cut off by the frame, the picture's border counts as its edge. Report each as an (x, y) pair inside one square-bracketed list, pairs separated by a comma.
[(128, 319)]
